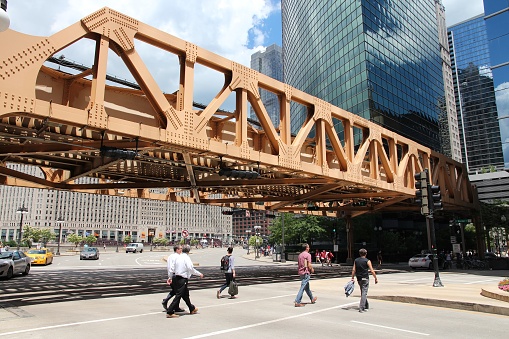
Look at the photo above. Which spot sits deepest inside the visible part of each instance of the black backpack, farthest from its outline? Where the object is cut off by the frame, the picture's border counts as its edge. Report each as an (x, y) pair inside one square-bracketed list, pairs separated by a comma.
[(225, 263)]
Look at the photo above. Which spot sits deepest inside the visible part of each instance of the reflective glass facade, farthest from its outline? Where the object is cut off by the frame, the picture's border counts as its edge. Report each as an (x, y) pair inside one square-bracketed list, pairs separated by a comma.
[(379, 59), (496, 20), (475, 95), (270, 63)]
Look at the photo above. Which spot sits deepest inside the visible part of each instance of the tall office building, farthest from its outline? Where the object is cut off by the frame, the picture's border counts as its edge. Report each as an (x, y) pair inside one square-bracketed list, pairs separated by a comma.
[(270, 63), (107, 217), (496, 17), (448, 120), (379, 59), (475, 96)]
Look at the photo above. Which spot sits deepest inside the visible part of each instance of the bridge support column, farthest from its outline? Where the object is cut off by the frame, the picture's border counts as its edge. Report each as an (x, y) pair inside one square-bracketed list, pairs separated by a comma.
[(349, 239)]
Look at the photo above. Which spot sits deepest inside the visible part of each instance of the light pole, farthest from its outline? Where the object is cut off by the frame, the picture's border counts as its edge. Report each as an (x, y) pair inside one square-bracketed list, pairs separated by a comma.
[(59, 221), (248, 234), (21, 210), (117, 230), (257, 234)]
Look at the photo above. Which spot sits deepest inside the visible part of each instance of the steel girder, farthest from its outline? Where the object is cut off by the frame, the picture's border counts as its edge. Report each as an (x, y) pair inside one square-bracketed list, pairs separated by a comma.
[(62, 123)]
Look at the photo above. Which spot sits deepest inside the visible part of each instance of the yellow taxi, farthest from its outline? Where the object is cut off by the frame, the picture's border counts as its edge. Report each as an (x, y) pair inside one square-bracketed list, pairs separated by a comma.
[(41, 256)]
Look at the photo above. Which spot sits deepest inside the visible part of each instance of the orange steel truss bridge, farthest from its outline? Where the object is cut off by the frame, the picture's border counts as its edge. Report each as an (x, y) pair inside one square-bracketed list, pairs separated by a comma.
[(129, 140)]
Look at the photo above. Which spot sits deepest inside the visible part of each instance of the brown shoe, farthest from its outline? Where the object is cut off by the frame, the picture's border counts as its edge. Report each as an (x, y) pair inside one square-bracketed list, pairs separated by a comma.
[(218, 295), (299, 305), (194, 311), (172, 315), (314, 300)]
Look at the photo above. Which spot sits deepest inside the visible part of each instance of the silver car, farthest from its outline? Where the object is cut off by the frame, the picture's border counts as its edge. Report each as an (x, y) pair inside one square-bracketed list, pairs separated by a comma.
[(421, 261), (14, 262), (89, 253)]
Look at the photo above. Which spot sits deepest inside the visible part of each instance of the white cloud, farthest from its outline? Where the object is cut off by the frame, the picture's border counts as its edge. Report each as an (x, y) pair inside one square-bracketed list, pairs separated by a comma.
[(459, 10), (221, 26)]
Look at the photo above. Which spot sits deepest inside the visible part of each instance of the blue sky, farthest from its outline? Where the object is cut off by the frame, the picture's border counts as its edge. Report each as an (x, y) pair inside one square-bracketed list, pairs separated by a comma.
[(234, 29)]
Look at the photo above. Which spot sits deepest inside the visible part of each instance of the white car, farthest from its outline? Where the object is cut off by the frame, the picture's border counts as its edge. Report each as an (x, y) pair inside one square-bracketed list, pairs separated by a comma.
[(134, 247), (421, 261)]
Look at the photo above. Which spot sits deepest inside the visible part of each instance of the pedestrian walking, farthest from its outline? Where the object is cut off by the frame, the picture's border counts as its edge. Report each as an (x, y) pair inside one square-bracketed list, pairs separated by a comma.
[(179, 275), (170, 262), (229, 273), (305, 270), (361, 268)]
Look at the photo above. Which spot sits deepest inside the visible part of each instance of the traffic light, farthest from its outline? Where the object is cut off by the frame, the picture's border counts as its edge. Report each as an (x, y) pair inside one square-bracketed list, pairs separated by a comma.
[(421, 191), (435, 200)]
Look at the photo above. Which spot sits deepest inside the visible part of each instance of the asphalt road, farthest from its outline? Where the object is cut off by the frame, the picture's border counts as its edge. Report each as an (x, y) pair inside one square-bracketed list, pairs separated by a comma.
[(119, 296)]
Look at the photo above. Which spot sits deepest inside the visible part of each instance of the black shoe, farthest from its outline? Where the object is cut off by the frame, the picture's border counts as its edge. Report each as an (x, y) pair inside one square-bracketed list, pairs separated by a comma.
[(165, 305), (179, 310)]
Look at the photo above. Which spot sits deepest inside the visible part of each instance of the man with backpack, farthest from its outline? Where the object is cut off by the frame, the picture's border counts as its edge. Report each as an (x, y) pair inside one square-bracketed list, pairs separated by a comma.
[(228, 266)]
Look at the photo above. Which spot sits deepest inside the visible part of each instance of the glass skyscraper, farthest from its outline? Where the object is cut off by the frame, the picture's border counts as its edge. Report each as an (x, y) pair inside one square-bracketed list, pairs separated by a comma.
[(475, 96), (379, 59), (496, 18), (270, 63)]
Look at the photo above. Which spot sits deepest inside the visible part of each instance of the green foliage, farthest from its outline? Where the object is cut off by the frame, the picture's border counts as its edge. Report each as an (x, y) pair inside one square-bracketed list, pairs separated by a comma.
[(90, 239), (33, 234), (160, 241), (75, 239), (128, 239), (30, 234), (11, 243), (298, 229), (194, 242), (255, 241)]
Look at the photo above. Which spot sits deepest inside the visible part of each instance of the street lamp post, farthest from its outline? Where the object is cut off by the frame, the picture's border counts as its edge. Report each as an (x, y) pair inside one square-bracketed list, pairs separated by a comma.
[(117, 230), (60, 221), (248, 233), (21, 210)]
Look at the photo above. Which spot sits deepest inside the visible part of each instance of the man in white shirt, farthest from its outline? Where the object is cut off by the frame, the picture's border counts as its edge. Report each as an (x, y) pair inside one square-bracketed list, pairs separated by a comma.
[(178, 274), (177, 249)]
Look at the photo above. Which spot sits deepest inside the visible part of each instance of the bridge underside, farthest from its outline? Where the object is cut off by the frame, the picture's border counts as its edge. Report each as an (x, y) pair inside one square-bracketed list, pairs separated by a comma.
[(145, 143)]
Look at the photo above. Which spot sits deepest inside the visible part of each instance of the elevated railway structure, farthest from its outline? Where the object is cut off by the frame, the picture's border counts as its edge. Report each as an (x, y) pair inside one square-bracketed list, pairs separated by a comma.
[(80, 125)]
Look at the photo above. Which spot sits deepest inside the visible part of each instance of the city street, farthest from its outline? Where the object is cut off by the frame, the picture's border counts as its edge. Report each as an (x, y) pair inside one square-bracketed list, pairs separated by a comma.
[(121, 298)]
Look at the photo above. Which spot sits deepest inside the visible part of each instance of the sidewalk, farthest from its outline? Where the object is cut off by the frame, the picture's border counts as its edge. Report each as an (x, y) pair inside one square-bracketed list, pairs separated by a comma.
[(481, 297)]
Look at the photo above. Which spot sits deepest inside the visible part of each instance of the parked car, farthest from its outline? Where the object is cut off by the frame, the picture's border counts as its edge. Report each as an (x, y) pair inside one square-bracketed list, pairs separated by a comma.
[(41, 256), (134, 247), (14, 262), (421, 261), (89, 253)]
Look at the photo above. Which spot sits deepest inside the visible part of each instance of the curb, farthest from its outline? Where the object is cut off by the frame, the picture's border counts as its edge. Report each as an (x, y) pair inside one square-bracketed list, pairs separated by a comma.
[(495, 295), (459, 305)]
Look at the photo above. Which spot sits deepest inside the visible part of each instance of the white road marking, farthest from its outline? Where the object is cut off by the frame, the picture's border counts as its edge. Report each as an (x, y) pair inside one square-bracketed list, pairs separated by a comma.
[(125, 317), (268, 322), (389, 328), (413, 280), (480, 281)]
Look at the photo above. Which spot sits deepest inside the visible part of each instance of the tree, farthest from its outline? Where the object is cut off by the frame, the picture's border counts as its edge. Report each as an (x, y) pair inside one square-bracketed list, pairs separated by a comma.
[(46, 235), (128, 239), (30, 234), (160, 241), (298, 229), (75, 239), (255, 241), (90, 239)]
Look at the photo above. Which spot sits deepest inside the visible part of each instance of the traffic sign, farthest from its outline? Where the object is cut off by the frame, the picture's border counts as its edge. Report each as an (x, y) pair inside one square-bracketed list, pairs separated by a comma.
[(464, 220), (453, 239), (185, 233)]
